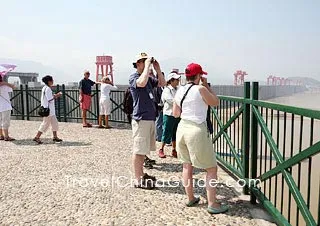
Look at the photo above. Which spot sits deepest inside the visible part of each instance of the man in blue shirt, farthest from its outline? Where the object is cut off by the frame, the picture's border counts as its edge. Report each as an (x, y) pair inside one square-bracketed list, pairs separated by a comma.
[(144, 115), (85, 96)]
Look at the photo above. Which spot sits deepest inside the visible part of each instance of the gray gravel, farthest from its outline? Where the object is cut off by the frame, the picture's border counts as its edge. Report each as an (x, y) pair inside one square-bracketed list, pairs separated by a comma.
[(70, 183)]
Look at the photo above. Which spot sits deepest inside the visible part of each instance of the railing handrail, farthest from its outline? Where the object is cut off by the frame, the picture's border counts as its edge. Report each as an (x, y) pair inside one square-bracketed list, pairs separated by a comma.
[(306, 112)]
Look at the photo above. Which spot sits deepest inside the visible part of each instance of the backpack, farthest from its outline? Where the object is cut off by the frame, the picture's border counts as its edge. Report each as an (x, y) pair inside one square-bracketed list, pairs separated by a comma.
[(127, 102)]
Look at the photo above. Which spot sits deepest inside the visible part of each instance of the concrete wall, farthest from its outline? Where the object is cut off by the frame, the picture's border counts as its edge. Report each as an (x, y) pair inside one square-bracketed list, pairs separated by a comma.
[(265, 92)]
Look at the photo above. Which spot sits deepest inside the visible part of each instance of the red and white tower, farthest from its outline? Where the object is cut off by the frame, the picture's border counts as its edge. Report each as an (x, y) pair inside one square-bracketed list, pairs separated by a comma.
[(104, 67)]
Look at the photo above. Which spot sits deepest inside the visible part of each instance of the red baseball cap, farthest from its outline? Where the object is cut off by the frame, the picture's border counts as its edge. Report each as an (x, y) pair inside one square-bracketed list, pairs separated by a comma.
[(194, 69)]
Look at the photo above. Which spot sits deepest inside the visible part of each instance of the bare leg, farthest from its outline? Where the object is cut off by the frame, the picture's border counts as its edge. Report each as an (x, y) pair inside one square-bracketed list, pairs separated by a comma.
[(38, 134), (211, 190), (84, 117), (55, 135), (107, 120), (100, 120), (5, 132), (187, 180), (174, 144), (1, 133), (138, 166)]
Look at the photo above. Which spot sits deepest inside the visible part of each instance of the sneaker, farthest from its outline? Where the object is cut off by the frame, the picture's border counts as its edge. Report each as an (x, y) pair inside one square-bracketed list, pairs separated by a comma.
[(161, 154), (148, 177), (146, 184), (151, 161), (174, 154), (147, 165)]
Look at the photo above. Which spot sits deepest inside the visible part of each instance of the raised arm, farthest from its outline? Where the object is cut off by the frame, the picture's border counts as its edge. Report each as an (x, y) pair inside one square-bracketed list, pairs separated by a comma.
[(7, 84), (144, 77), (161, 80), (208, 95)]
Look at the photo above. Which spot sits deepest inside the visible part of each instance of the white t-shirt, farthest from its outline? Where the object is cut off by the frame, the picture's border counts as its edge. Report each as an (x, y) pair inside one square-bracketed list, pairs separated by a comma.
[(5, 104), (167, 98), (105, 91), (193, 108), (47, 100)]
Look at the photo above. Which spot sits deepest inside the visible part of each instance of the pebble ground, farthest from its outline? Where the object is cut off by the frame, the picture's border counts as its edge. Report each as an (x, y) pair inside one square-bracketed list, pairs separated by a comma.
[(85, 180)]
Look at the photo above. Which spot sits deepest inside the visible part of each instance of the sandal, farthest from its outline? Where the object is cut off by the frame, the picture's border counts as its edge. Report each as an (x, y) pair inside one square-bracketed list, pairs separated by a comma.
[(37, 140), (87, 125), (9, 139), (56, 139), (1, 137), (101, 127), (193, 202), (221, 209)]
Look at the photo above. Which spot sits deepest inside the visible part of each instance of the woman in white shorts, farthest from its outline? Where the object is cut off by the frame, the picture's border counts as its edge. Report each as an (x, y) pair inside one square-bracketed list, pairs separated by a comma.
[(47, 101), (194, 145), (5, 109), (105, 102)]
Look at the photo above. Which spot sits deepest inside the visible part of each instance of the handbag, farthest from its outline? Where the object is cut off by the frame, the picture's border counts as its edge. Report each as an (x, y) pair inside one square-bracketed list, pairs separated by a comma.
[(44, 112)]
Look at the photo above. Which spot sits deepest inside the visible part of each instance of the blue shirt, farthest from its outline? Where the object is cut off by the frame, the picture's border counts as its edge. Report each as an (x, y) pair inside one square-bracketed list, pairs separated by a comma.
[(85, 85), (144, 105)]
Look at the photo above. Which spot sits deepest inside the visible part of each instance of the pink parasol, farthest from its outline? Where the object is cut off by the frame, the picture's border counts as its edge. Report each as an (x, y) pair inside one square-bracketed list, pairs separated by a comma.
[(5, 68)]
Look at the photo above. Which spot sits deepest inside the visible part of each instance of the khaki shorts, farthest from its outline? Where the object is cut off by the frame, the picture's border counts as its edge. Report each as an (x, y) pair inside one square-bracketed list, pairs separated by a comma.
[(194, 145), (144, 137)]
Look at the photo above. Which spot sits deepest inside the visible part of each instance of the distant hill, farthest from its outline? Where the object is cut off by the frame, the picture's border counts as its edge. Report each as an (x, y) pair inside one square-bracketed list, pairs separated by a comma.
[(307, 81), (32, 66)]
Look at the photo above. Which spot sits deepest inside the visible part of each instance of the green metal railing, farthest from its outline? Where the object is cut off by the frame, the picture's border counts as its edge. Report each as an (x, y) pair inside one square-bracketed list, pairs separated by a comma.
[(277, 145), (26, 102)]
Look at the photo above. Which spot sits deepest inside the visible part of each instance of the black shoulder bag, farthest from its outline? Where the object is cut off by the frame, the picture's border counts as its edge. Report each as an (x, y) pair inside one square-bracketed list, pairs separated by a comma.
[(44, 112), (184, 96)]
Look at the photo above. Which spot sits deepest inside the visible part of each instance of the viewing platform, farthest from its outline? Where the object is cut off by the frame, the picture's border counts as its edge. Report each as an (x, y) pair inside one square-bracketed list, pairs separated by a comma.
[(70, 183)]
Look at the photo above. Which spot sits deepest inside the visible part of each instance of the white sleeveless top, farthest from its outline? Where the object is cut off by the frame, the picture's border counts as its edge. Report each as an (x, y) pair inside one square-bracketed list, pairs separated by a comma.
[(193, 108)]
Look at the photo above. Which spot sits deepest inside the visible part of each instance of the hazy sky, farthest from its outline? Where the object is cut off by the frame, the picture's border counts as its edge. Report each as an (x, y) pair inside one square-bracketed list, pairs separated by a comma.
[(278, 37)]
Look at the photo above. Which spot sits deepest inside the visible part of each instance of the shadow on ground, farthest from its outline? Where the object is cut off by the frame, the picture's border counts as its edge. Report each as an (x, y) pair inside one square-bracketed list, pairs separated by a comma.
[(174, 168), (30, 142)]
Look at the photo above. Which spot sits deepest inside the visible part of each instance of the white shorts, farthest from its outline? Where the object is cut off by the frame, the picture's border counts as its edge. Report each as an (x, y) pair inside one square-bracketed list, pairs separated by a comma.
[(105, 107), (5, 119), (47, 121)]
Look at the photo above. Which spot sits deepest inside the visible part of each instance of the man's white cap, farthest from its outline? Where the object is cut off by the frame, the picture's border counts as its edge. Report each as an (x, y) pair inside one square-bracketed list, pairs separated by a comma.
[(140, 56), (173, 75)]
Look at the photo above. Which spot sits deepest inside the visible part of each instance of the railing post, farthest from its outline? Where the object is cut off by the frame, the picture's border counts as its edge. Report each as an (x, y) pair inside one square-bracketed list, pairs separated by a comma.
[(27, 103), (22, 102), (64, 103), (97, 102), (246, 135), (254, 139), (58, 103)]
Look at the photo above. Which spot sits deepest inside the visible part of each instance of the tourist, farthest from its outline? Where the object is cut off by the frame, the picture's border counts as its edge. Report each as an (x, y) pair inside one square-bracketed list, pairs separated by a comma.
[(47, 101), (170, 123), (105, 102), (144, 115), (85, 86), (194, 145), (5, 109)]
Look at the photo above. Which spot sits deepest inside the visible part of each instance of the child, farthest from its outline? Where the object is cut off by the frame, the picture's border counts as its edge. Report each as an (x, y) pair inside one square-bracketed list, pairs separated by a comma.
[(47, 101), (105, 102), (5, 109)]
